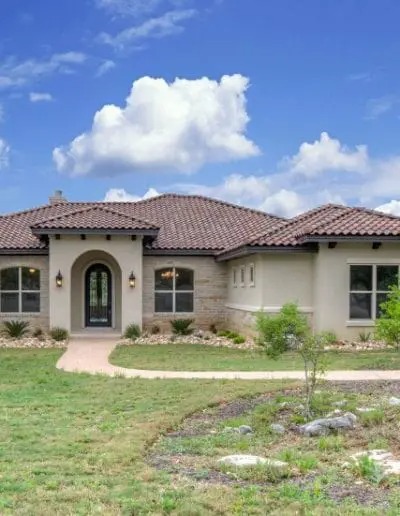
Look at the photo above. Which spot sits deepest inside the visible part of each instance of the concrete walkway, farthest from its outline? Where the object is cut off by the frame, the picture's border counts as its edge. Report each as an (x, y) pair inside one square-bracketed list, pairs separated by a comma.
[(90, 355)]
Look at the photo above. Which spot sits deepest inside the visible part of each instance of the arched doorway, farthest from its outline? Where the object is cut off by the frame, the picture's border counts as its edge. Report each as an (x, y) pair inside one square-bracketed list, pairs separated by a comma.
[(98, 296)]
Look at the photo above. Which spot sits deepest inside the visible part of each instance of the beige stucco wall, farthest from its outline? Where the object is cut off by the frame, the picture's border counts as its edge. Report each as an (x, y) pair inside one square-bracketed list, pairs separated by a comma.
[(210, 290), (36, 320), (62, 255), (279, 278), (331, 284)]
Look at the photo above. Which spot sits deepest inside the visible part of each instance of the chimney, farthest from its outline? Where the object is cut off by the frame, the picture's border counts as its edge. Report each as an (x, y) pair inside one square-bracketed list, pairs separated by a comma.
[(57, 198)]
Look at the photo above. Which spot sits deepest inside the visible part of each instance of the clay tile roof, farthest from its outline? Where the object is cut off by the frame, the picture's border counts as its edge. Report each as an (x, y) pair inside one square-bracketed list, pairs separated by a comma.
[(185, 222), (92, 218)]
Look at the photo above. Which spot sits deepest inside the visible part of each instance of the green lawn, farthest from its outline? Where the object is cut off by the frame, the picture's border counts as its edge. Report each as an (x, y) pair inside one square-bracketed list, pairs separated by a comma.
[(74, 444), (187, 357)]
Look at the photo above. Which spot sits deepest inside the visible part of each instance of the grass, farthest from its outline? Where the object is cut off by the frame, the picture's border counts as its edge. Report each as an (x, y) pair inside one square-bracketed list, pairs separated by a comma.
[(74, 444), (190, 357)]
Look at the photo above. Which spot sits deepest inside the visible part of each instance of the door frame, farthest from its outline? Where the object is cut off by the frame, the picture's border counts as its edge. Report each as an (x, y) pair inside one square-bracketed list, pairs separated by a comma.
[(111, 299)]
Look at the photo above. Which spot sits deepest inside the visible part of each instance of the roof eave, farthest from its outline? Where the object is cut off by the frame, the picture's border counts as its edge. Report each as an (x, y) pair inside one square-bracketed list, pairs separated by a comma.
[(179, 252), (87, 231), (26, 251), (347, 238), (249, 250)]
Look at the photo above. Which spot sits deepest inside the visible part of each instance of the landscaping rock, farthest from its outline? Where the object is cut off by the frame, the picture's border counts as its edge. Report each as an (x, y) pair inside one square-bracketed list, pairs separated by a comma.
[(251, 460), (324, 426), (384, 458), (32, 343), (340, 403), (277, 428), (245, 429), (365, 409), (394, 401)]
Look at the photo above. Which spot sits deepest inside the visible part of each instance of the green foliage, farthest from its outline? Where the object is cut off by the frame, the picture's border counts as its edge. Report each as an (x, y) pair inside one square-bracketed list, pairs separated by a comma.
[(372, 417), (388, 325), (182, 326), (223, 333), (331, 443), (15, 329), (38, 333), (58, 334), (239, 339), (369, 468), (132, 331), (330, 337), (277, 332), (364, 336)]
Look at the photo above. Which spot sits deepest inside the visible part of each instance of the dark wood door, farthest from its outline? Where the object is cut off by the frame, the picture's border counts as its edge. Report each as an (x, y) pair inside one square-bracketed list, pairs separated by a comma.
[(98, 296)]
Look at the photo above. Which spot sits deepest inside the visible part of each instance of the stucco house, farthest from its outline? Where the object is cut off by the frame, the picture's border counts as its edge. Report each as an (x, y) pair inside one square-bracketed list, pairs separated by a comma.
[(83, 266)]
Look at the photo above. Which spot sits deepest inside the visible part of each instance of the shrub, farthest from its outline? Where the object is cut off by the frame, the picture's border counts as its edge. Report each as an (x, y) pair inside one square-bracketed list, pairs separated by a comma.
[(213, 328), (37, 333), (58, 334), (132, 331), (368, 468), (239, 339), (155, 329), (277, 332), (364, 336), (330, 337), (223, 333), (15, 329), (182, 326), (372, 417), (387, 327)]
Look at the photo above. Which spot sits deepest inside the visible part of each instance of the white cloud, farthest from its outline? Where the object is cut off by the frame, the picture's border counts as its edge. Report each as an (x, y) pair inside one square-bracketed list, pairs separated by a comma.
[(121, 195), (381, 105), (391, 207), (4, 154), (105, 67), (158, 27), (327, 154), (40, 97), (128, 7), (14, 73), (164, 126), (2, 115)]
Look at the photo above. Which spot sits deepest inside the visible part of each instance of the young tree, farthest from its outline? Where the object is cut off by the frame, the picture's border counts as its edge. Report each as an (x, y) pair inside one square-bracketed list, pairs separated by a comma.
[(289, 326), (387, 327)]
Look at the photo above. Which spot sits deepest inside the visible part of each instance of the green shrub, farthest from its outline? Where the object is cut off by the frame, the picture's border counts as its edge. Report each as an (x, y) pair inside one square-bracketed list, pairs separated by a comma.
[(15, 329), (369, 468), (277, 332), (330, 337), (331, 443), (364, 336), (372, 417), (132, 331), (239, 339), (38, 333), (387, 327), (58, 334), (182, 326)]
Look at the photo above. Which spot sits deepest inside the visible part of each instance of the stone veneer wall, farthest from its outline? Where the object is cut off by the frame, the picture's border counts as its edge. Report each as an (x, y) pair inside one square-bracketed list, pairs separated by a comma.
[(38, 262), (210, 290), (241, 321)]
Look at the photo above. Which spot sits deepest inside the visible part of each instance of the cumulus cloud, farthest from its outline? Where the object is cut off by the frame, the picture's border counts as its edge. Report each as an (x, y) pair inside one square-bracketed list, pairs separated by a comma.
[(105, 67), (121, 195), (164, 126), (379, 106), (327, 154), (158, 27), (392, 207), (4, 154), (14, 73), (40, 97)]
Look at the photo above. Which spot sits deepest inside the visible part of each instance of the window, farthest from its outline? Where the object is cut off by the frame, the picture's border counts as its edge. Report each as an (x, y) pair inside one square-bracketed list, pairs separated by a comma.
[(174, 290), (369, 287), (234, 277), (242, 274), (20, 290), (252, 275)]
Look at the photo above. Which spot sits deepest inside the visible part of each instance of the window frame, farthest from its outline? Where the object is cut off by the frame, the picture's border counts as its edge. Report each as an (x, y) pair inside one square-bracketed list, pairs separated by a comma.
[(234, 277), (252, 272), (20, 291), (173, 291), (242, 275), (373, 292)]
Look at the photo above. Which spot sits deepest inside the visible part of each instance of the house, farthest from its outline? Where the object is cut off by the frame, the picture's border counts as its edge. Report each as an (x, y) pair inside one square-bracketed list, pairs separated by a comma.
[(82, 265)]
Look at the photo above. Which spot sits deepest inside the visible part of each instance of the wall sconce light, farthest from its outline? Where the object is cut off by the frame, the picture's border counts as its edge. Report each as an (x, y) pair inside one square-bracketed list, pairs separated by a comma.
[(59, 279), (132, 280)]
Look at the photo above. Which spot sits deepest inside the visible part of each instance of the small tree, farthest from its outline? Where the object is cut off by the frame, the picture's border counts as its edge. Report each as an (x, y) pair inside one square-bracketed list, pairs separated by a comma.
[(278, 331), (290, 326), (388, 325)]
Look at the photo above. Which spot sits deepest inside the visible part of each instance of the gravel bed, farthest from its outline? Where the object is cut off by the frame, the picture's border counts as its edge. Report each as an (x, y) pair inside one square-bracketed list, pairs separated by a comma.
[(32, 343)]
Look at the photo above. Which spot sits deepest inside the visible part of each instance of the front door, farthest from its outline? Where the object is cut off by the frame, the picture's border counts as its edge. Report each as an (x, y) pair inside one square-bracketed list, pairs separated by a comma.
[(98, 296)]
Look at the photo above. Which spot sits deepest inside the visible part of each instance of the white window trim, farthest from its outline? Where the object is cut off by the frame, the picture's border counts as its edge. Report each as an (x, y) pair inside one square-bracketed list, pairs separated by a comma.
[(242, 275), (373, 292), (252, 283), (173, 291), (20, 291), (234, 277)]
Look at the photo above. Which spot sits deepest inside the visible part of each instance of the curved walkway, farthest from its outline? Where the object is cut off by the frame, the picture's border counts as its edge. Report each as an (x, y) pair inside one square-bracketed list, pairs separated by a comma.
[(90, 355)]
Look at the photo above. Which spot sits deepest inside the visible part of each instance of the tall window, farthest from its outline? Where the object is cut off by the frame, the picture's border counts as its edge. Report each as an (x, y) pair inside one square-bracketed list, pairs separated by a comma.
[(173, 290), (252, 279), (369, 287), (234, 276), (20, 290)]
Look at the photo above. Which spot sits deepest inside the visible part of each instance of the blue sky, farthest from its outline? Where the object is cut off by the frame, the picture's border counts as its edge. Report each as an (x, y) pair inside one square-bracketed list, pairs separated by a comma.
[(278, 105)]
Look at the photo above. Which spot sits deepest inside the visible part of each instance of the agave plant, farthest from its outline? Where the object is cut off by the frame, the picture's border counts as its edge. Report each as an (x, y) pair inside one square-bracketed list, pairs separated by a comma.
[(132, 331), (58, 334), (15, 329), (182, 326)]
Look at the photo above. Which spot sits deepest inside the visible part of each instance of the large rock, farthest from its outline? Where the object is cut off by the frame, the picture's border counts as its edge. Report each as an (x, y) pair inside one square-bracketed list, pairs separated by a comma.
[(326, 425), (394, 401), (251, 460), (245, 429), (384, 458), (277, 428)]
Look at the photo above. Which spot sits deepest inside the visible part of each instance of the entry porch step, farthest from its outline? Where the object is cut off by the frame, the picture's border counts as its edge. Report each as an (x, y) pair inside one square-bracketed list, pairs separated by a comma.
[(103, 333)]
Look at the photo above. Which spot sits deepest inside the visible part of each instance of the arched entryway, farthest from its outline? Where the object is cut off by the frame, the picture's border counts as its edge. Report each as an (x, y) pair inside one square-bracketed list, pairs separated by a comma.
[(98, 296)]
